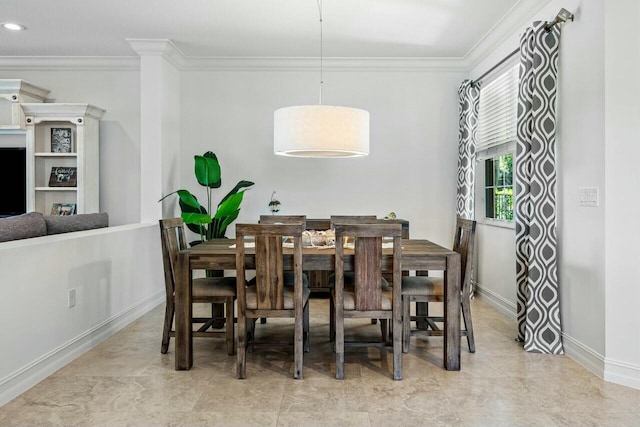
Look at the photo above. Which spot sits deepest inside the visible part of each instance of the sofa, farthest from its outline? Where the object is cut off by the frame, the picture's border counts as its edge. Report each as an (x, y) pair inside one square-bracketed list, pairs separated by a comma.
[(34, 224)]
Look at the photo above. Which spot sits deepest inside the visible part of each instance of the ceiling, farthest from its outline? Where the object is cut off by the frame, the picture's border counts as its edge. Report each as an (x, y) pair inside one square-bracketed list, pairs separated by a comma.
[(252, 28)]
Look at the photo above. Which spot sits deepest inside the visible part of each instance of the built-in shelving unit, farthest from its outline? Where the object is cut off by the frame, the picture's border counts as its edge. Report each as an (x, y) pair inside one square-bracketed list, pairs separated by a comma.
[(83, 121)]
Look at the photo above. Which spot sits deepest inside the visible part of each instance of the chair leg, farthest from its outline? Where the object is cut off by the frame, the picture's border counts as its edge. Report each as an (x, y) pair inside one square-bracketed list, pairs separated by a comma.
[(241, 346), (168, 324), (384, 328), (468, 324), (332, 320), (298, 339), (422, 312), (231, 342), (306, 330), (396, 322), (217, 314), (339, 344), (251, 333), (406, 323)]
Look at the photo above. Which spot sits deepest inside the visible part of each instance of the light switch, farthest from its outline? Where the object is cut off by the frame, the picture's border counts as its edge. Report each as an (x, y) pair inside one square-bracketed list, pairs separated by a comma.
[(588, 197)]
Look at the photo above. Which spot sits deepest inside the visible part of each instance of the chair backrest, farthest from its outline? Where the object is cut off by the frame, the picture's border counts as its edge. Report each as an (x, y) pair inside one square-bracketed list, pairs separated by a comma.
[(368, 261), (173, 240), (463, 243), (283, 219), (269, 264), (353, 219)]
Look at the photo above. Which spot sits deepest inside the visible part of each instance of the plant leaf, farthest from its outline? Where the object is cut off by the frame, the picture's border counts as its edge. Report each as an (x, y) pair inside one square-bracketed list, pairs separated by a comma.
[(226, 221), (207, 170), (196, 218), (188, 199), (230, 205), (239, 185)]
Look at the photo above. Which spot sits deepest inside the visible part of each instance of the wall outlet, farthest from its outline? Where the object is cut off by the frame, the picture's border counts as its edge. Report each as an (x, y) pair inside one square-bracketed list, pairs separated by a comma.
[(72, 298), (589, 197)]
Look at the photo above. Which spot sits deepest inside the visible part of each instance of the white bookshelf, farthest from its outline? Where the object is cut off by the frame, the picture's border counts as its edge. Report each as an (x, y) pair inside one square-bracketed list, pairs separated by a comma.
[(84, 122)]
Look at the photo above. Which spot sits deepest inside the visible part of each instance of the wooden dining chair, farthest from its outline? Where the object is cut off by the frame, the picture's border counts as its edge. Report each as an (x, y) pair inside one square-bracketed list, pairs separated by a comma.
[(269, 297), (214, 290), (352, 219), (284, 219), (348, 276), (367, 298), (428, 289)]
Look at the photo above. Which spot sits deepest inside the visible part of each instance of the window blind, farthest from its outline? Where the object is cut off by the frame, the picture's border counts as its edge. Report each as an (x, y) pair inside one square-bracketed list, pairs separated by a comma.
[(497, 112)]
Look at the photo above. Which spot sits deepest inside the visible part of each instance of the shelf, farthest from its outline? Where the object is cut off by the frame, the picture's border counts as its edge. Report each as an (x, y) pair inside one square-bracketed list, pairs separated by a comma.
[(65, 155), (56, 188)]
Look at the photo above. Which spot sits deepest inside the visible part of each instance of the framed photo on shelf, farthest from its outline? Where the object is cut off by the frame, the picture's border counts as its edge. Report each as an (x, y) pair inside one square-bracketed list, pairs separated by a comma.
[(61, 140), (58, 209), (63, 176)]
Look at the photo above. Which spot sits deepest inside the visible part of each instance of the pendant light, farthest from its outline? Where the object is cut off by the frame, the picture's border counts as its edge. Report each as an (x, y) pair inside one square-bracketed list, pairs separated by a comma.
[(321, 130)]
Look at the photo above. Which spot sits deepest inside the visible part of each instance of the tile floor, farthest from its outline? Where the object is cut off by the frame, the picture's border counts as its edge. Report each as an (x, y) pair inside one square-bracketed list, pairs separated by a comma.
[(125, 381)]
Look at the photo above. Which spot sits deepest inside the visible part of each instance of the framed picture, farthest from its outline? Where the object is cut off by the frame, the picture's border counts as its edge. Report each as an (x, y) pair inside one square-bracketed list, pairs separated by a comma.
[(61, 140), (58, 209), (63, 176), (67, 209)]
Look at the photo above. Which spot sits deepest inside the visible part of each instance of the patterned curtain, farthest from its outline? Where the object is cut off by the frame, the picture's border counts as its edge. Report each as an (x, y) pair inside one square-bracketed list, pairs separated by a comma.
[(469, 97), (536, 242)]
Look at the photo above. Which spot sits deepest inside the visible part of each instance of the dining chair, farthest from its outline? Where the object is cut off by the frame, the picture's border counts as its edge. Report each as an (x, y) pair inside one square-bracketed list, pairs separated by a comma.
[(427, 289), (284, 219), (348, 276), (368, 298), (269, 297), (352, 219), (214, 290)]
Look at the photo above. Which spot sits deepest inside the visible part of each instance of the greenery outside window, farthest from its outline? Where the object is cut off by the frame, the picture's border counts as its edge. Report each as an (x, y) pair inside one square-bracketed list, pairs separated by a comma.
[(499, 187)]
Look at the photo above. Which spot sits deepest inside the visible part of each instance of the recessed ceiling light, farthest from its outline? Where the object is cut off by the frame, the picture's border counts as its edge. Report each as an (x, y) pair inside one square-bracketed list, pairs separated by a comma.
[(12, 26)]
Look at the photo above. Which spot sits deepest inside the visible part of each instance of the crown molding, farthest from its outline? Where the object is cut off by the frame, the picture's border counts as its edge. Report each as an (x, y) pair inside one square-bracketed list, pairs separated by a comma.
[(328, 64), (517, 17), (69, 63), (183, 63), (159, 47)]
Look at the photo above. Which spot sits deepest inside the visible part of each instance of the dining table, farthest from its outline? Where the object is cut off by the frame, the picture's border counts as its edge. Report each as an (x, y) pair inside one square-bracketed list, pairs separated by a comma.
[(220, 254)]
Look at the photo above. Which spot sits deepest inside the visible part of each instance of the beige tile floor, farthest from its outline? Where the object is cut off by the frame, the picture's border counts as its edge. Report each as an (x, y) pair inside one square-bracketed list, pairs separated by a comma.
[(125, 381)]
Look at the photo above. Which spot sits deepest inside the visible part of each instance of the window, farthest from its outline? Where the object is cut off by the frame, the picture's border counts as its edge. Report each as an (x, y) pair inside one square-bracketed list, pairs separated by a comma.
[(497, 133), (498, 187)]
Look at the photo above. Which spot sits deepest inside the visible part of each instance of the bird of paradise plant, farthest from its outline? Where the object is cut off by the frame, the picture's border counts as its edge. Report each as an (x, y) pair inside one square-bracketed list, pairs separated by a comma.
[(198, 218)]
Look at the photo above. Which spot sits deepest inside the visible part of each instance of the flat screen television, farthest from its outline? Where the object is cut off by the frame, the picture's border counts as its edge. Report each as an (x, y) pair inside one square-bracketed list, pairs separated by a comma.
[(13, 164)]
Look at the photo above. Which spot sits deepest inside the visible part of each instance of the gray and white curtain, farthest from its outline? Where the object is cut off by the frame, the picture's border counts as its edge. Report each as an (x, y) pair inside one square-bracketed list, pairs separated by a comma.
[(536, 241), (469, 97)]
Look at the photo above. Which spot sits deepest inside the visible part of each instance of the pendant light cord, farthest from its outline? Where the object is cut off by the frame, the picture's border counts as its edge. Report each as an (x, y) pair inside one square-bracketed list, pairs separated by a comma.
[(321, 80)]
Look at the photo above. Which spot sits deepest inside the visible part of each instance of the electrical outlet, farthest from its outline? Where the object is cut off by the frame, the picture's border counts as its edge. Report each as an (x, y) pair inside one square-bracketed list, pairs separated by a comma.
[(589, 197), (72, 298)]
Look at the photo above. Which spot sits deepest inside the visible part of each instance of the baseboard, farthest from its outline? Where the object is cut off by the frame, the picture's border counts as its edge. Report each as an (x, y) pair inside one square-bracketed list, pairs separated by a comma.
[(20, 381), (496, 301), (622, 373), (583, 355)]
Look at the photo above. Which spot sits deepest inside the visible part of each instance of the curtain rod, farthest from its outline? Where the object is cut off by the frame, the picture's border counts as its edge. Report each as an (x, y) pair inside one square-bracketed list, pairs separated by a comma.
[(562, 16)]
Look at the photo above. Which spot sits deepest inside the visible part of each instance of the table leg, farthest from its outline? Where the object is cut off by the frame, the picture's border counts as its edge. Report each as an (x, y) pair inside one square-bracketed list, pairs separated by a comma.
[(452, 313), (183, 338)]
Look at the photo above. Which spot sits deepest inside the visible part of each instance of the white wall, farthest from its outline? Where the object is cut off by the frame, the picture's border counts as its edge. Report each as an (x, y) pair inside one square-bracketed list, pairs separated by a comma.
[(411, 169), (622, 119), (117, 91), (117, 274), (580, 149)]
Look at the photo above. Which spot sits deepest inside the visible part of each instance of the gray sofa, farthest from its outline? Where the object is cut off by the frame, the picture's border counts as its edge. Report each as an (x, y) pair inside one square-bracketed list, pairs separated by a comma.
[(34, 224)]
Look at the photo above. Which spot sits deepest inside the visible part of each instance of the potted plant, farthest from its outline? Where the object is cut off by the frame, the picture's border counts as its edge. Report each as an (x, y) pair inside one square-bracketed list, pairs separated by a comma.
[(198, 218)]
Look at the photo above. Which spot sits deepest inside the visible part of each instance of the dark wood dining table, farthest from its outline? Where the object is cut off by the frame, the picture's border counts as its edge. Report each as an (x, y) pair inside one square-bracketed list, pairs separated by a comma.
[(219, 254)]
